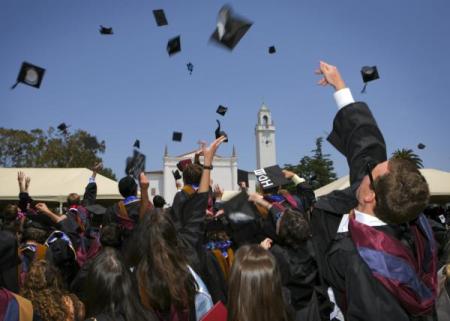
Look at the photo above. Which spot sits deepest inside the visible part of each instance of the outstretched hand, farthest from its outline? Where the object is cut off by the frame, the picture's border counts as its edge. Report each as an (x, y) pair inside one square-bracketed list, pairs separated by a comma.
[(143, 181), (209, 152), (24, 182), (331, 76)]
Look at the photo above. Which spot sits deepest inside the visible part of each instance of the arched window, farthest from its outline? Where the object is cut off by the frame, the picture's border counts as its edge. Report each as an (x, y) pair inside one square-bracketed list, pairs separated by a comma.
[(265, 120)]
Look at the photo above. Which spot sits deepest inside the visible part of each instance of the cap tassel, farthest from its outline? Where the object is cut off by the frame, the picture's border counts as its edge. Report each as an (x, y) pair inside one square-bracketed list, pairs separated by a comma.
[(14, 86), (363, 91)]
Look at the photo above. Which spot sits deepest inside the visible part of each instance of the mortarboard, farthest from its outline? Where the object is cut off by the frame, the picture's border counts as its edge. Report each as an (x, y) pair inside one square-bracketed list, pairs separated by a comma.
[(30, 75), (221, 110), (368, 74), (63, 128), (242, 176), (174, 45), (182, 164), (239, 209), (230, 29), (160, 17), (135, 164), (137, 144), (106, 31), (220, 132), (421, 146), (96, 209), (272, 50), (190, 67), (271, 177), (176, 174), (177, 136)]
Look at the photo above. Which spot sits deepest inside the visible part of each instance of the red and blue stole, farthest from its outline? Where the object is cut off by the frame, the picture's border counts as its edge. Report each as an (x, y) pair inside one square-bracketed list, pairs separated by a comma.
[(411, 279)]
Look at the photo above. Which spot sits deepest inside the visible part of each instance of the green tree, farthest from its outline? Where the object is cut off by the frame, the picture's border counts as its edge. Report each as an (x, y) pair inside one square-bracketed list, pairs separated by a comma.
[(36, 148), (319, 165), (408, 154)]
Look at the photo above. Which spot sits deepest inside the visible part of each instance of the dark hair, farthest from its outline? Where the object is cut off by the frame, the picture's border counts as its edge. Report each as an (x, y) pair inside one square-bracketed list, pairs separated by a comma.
[(254, 291), (192, 174), (163, 275), (34, 234), (110, 235), (402, 194), (294, 229), (8, 219), (110, 290), (73, 199), (127, 186), (159, 201)]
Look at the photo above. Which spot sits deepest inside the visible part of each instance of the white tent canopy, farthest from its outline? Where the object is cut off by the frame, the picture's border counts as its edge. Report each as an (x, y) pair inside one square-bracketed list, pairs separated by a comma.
[(54, 184), (438, 182)]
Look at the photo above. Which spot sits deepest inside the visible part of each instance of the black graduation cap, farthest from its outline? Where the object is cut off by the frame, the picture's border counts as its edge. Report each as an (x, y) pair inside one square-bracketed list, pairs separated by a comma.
[(96, 209), (137, 144), (270, 177), (242, 176), (230, 28), (160, 17), (30, 75), (421, 146), (176, 174), (177, 136), (220, 132), (239, 209), (135, 164), (190, 67), (182, 164), (106, 31), (63, 128), (369, 73), (272, 50), (174, 45), (221, 110)]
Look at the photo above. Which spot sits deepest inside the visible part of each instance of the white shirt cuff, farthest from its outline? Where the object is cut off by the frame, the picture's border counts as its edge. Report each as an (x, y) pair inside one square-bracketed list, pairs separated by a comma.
[(297, 180), (91, 179), (343, 97)]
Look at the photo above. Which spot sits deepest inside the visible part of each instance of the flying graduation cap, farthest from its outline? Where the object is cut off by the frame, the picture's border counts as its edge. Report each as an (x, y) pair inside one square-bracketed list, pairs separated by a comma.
[(190, 67), (174, 45), (107, 31), (177, 136), (160, 17), (63, 128), (368, 73), (220, 132), (176, 174), (270, 177), (30, 75), (421, 146), (239, 209), (230, 28), (221, 110), (135, 164), (272, 50), (137, 144)]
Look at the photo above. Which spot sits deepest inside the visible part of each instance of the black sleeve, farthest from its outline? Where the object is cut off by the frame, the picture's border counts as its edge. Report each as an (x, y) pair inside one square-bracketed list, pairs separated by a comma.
[(357, 136), (90, 194), (24, 200)]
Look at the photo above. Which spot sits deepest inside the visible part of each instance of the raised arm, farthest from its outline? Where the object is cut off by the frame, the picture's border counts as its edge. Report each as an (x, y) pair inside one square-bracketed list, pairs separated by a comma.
[(90, 192), (355, 132), (145, 201)]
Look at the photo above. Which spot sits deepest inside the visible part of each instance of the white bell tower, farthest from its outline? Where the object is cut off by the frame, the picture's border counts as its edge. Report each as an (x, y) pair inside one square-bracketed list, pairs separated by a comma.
[(265, 139)]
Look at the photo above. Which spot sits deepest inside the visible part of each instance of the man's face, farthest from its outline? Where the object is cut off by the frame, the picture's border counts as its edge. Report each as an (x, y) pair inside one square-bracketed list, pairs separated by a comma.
[(364, 191)]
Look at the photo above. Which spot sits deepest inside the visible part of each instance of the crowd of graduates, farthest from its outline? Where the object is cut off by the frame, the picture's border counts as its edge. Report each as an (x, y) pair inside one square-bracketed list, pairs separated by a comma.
[(365, 253)]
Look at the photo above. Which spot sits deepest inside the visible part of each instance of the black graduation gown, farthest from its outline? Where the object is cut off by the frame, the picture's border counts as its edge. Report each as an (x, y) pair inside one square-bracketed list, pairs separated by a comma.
[(359, 295)]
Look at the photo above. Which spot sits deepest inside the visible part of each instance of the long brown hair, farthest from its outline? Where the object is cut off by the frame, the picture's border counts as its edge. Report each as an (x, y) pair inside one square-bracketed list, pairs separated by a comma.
[(163, 275), (254, 291), (43, 287)]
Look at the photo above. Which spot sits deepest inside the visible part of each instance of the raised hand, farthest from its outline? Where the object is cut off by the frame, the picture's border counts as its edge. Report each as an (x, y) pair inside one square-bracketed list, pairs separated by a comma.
[(97, 167), (266, 244), (209, 152), (288, 174), (331, 76), (42, 207), (143, 181)]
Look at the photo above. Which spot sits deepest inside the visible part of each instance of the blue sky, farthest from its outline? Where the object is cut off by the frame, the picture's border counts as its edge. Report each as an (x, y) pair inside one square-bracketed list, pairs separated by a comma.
[(125, 86)]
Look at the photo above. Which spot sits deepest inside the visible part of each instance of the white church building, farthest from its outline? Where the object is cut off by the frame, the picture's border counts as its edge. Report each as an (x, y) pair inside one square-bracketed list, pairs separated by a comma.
[(225, 171)]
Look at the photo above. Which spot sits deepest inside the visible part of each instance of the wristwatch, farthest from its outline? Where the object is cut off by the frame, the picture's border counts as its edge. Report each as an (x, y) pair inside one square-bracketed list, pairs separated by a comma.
[(208, 167)]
